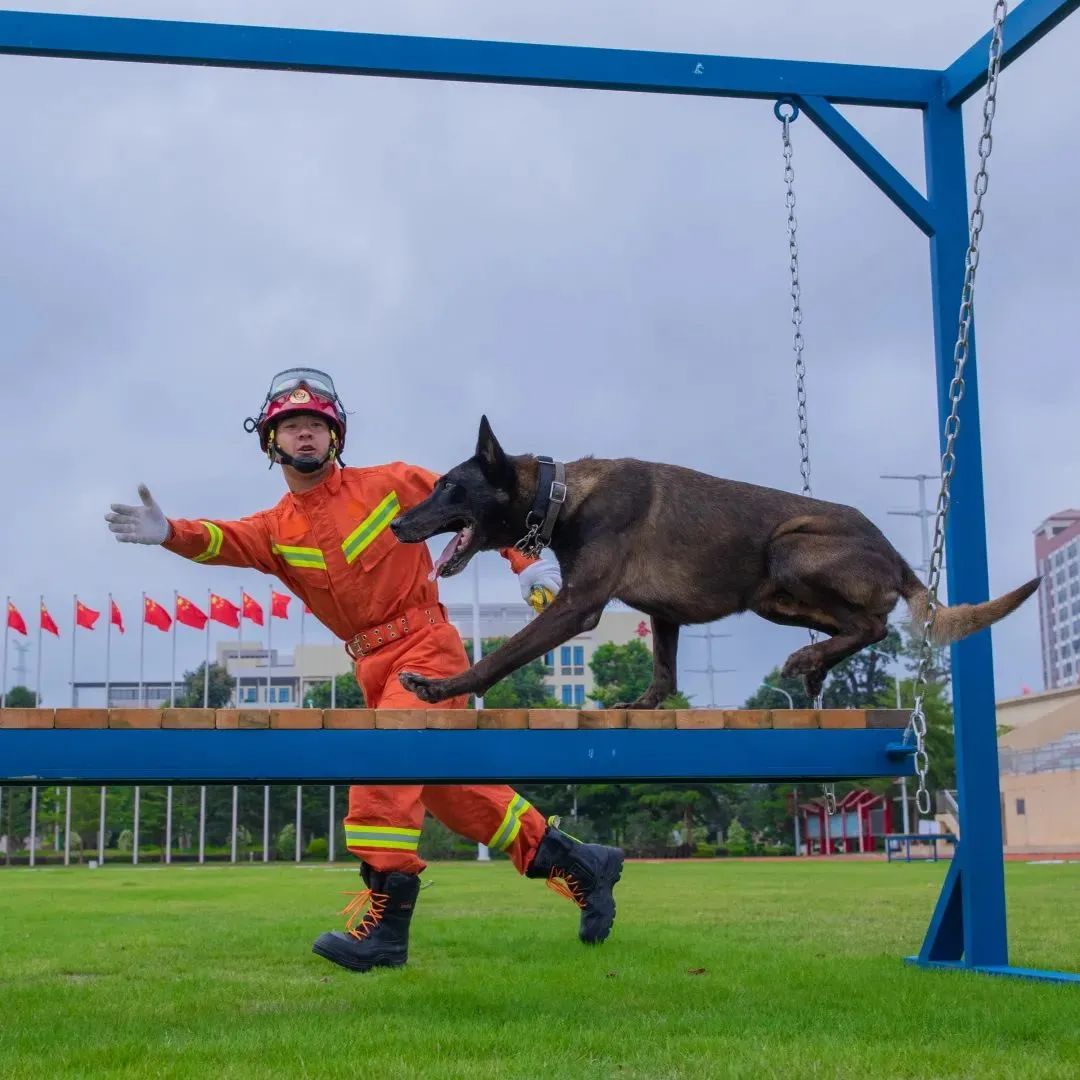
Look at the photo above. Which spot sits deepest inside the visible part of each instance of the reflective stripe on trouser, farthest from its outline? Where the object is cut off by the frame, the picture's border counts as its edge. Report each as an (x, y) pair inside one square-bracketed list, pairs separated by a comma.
[(491, 814)]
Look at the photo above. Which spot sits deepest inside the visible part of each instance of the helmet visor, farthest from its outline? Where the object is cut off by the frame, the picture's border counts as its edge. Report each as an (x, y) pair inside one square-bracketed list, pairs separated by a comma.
[(312, 378)]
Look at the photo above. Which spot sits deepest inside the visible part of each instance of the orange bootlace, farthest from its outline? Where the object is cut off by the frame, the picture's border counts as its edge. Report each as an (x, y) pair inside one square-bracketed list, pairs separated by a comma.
[(566, 885), (376, 905)]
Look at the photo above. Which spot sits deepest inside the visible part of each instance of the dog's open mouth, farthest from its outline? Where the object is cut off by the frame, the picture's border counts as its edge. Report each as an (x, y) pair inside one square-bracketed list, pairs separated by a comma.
[(457, 553)]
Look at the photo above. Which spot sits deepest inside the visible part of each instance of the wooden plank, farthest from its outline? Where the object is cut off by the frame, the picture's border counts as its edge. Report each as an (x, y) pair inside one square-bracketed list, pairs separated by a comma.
[(553, 719), (745, 719), (843, 719), (651, 719), (81, 718), (694, 719), (601, 719), (351, 719), (188, 719), (401, 719), (451, 719), (296, 719), (26, 718), (887, 718), (502, 719), (795, 718), (241, 719), (135, 718)]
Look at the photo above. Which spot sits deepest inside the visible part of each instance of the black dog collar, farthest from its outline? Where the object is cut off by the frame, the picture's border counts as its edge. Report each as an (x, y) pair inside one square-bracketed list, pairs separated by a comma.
[(548, 501)]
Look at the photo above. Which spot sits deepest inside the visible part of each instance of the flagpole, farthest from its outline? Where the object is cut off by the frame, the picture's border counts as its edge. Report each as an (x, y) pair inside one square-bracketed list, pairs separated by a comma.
[(7, 631), (300, 675), (206, 666), (269, 644), (74, 627), (101, 826), (142, 649), (172, 678), (37, 688), (239, 642), (108, 646)]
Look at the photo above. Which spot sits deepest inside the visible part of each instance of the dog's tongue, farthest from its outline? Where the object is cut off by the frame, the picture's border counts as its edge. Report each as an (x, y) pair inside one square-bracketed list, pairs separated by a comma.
[(444, 558)]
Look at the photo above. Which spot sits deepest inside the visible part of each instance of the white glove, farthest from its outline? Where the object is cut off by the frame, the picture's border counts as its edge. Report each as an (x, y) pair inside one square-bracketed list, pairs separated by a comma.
[(144, 524), (543, 574)]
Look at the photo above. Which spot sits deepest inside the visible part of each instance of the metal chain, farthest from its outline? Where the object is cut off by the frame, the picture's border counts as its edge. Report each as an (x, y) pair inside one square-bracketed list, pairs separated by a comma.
[(952, 424), (786, 112)]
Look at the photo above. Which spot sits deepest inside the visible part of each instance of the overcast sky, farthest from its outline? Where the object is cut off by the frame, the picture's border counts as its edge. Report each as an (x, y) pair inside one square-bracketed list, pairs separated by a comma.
[(601, 273)]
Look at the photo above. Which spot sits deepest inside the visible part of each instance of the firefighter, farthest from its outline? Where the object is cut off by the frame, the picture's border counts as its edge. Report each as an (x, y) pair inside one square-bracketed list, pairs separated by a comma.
[(328, 540)]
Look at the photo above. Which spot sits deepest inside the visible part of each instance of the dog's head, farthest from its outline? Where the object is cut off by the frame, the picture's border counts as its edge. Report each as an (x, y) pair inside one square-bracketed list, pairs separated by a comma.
[(475, 500)]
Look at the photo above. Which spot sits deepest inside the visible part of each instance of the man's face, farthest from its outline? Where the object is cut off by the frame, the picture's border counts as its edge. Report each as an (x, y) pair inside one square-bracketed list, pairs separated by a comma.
[(304, 437)]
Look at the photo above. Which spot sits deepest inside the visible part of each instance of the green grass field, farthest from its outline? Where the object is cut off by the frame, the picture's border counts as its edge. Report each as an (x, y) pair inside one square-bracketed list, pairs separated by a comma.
[(718, 969)]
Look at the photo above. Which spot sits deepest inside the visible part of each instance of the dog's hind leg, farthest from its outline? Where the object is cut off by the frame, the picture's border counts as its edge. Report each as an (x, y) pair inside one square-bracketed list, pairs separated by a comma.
[(665, 647), (814, 662)]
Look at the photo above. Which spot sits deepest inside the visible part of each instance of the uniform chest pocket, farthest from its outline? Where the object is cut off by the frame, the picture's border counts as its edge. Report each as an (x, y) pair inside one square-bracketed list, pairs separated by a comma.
[(371, 540), (305, 563)]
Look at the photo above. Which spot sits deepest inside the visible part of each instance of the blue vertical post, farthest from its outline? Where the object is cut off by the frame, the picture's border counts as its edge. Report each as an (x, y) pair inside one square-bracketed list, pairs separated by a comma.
[(981, 870)]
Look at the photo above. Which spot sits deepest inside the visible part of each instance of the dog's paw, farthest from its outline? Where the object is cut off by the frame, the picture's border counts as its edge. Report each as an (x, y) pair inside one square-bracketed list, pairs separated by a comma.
[(427, 690)]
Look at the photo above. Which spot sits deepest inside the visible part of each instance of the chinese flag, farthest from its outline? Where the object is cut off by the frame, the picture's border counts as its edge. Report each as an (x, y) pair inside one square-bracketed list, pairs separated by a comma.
[(279, 604), (251, 610), (224, 611), (156, 615), (307, 610), (189, 614), (14, 620), (84, 616), (47, 622), (115, 617)]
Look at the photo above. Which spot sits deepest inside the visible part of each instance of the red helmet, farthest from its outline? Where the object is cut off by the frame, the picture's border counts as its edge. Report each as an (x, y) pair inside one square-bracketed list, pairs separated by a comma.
[(299, 391)]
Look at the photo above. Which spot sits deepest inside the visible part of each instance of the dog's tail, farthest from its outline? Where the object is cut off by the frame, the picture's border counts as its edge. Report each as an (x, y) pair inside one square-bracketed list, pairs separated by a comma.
[(953, 623)]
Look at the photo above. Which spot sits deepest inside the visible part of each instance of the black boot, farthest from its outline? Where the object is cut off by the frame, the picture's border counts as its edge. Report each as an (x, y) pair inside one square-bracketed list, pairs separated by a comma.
[(586, 874), (382, 937)]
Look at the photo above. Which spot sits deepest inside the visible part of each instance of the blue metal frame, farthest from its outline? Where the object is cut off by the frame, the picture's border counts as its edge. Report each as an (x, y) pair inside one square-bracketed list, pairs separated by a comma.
[(962, 933), (447, 757)]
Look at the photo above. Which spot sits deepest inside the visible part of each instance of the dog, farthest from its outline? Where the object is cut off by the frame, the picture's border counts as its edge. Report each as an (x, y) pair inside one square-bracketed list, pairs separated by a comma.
[(682, 547)]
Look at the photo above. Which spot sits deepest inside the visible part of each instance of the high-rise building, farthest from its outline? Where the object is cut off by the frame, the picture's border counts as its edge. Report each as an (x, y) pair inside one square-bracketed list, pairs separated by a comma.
[(1057, 556)]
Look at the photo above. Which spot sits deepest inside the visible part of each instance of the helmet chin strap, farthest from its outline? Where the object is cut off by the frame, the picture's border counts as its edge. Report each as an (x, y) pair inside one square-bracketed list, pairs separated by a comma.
[(304, 465)]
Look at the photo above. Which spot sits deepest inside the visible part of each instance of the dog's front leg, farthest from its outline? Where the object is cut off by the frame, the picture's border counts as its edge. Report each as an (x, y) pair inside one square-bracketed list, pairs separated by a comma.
[(567, 616)]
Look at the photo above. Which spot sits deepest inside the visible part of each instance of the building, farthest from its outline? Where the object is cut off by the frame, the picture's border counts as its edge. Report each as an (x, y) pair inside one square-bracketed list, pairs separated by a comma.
[(1057, 557), (281, 679), (1039, 761)]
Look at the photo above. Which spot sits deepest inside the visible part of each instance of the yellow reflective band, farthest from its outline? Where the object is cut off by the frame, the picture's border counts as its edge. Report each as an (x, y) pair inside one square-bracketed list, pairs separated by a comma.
[(510, 826), (371, 527), (213, 548), (383, 837), (300, 556)]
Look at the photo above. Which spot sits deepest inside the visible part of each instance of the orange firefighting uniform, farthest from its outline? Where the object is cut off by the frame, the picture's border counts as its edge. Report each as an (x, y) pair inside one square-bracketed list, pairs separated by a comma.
[(332, 547)]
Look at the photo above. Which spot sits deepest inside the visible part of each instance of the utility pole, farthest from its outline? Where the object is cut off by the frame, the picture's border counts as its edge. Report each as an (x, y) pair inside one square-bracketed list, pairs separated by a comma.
[(925, 514), (709, 669)]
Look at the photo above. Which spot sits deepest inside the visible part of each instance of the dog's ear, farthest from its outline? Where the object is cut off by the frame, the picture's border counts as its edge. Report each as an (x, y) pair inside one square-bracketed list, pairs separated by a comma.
[(489, 453)]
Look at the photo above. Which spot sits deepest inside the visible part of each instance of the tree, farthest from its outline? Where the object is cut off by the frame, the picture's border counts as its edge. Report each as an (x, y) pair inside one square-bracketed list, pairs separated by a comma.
[(624, 673), (19, 697), (347, 694), (220, 689)]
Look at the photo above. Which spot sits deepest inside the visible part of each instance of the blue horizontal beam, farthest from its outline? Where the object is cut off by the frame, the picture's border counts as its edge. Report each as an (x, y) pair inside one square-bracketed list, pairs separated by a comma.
[(1027, 24), (29, 756), (455, 59), (843, 134)]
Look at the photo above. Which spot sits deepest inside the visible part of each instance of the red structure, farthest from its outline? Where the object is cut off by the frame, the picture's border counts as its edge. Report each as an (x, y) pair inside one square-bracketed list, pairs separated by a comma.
[(862, 821)]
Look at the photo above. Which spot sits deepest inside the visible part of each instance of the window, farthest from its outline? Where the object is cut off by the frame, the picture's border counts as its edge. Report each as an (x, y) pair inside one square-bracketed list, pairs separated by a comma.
[(568, 695), (1074, 589), (565, 660), (1074, 569), (1021, 808), (549, 660), (250, 693), (283, 694), (579, 694), (579, 659)]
